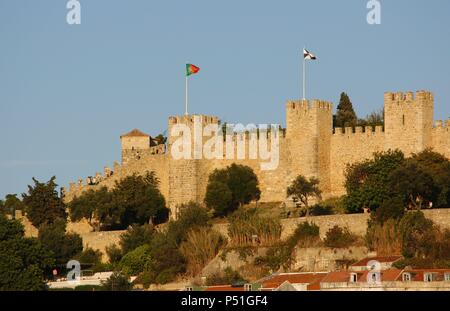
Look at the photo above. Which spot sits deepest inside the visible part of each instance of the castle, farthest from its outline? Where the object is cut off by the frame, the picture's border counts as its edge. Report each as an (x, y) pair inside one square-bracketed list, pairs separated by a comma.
[(309, 146)]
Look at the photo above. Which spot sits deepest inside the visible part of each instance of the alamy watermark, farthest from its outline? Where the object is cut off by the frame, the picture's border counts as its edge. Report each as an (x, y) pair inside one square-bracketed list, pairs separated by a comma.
[(73, 16), (233, 141), (374, 14), (74, 274)]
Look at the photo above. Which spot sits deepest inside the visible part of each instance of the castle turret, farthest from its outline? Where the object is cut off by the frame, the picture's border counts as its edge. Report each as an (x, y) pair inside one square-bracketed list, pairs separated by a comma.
[(133, 144), (408, 121), (309, 129), (185, 158)]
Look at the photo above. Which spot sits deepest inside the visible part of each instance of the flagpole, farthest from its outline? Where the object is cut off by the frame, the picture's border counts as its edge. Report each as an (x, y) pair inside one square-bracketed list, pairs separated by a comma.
[(186, 103), (304, 75)]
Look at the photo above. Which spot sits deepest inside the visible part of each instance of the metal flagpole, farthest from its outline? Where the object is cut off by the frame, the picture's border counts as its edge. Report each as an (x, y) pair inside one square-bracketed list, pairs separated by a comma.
[(186, 108), (304, 75)]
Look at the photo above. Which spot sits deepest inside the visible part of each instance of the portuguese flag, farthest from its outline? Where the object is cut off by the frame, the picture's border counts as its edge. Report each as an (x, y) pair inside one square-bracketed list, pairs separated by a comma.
[(191, 69)]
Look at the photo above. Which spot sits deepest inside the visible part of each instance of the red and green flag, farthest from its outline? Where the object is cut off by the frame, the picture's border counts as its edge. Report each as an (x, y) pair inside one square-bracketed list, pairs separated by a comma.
[(191, 69)]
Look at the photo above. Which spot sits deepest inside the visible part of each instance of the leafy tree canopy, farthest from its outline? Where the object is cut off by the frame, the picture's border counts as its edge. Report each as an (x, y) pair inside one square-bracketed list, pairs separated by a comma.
[(23, 261), (368, 182), (64, 246), (135, 199), (43, 203), (136, 236), (230, 188)]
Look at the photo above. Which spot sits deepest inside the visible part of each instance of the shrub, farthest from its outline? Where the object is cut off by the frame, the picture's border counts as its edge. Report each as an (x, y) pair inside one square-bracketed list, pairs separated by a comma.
[(321, 210), (338, 237), (416, 233), (89, 257), (114, 254), (165, 258), (202, 245), (88, 288), (305, 235), (117, 282), (192, 215), (136, 261), (227, 277)]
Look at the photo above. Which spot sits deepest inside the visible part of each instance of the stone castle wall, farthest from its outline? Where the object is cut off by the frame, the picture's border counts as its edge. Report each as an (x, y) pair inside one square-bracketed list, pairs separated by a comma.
[(348, 147), (309, 146)]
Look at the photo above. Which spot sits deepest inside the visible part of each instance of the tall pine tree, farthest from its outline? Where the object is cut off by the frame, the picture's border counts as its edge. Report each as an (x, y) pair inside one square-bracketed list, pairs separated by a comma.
[(345, 116)]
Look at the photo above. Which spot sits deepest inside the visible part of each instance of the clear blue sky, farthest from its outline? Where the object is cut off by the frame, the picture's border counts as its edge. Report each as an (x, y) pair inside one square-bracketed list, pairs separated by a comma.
[(68, 92)]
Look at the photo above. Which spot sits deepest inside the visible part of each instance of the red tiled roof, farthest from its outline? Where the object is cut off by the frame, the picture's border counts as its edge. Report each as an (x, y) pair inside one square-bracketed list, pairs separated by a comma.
[(135, 133), (337, 277), (418, 274), (312, 279), (389, 275), (380, 259), (224, 288)]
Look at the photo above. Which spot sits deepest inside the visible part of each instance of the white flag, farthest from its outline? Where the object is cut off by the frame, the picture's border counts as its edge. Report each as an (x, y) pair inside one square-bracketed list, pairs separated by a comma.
[(308, 55)]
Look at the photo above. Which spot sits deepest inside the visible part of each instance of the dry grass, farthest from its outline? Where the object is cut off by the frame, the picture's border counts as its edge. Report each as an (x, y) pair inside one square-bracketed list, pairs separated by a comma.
[(248, 228), (385, 239), (201, 246)]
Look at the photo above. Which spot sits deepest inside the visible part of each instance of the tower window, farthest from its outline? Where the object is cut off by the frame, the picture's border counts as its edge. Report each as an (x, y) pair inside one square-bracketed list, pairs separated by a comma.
[(403, 120)]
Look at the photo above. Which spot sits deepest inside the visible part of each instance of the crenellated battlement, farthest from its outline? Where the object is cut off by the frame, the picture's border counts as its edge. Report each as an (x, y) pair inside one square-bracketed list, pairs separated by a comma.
[(189, 119), (306, 105), (358, 130), (439, 124), (407, 97)]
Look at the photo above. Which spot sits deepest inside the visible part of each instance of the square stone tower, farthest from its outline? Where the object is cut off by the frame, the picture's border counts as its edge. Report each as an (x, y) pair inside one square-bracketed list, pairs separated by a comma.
[(408, 121), (134, 144), (309, 126), (184, 173)]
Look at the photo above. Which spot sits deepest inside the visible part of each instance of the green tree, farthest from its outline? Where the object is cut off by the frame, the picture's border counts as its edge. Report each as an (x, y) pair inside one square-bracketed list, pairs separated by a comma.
[(345, 116), (24, 262), (64, 246), (414, 185), (135, 199), (140, 200), (302, 189), (438, 167), (2, 205), (390, 208), (43, 203), (136, 236), (230, 188), (219, 197), (368, 182), (90, 205)]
